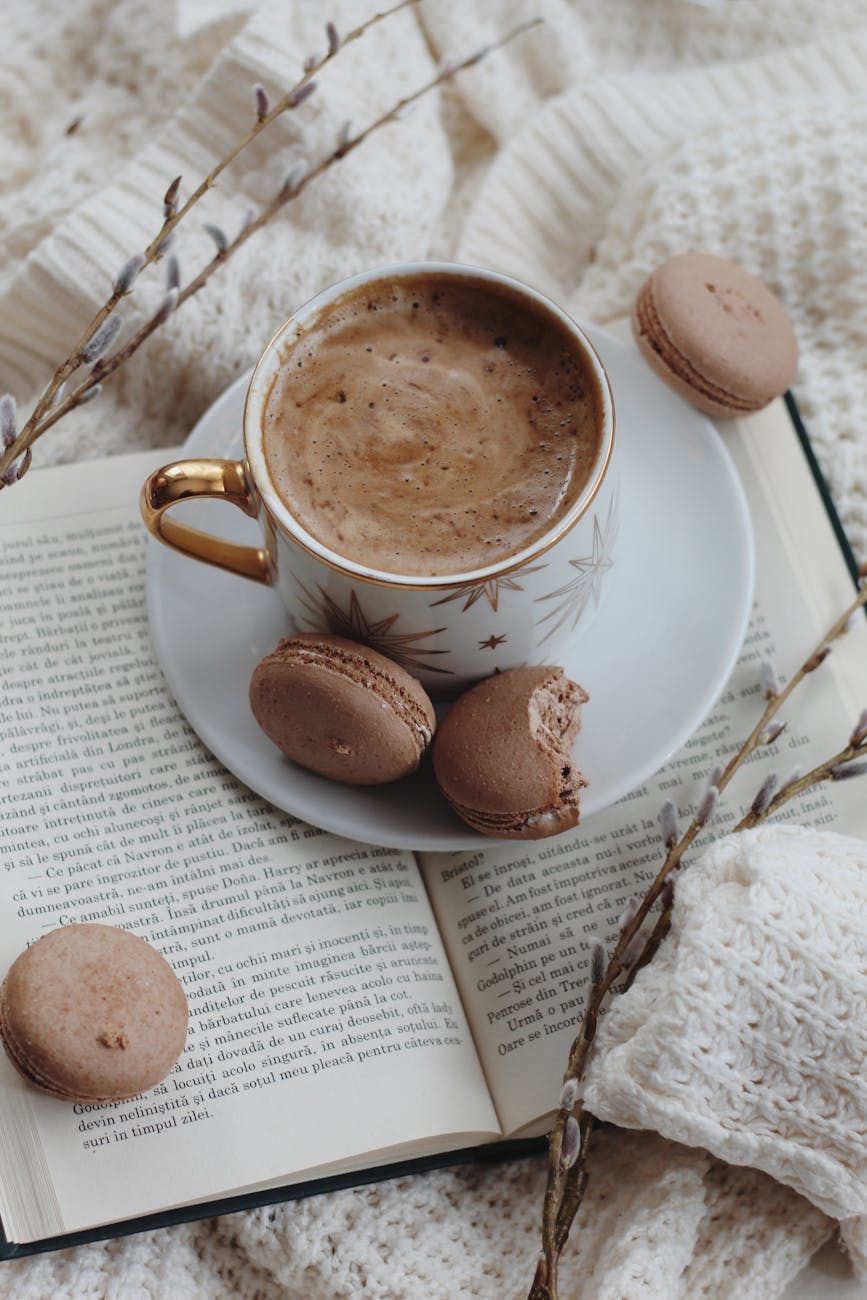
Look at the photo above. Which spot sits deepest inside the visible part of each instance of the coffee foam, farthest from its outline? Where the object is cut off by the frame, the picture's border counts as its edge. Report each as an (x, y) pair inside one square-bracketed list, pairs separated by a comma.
[(432, 424)]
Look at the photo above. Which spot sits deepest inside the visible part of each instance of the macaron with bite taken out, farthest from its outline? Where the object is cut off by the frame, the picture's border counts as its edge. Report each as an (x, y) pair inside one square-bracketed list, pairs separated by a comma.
[(503, 754)]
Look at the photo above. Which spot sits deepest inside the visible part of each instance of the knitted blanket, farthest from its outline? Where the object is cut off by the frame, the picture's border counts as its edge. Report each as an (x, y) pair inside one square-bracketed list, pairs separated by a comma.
[(736, 126)]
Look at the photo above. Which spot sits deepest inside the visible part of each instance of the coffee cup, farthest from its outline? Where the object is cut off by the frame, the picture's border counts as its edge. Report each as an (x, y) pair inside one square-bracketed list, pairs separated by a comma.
[(429, 453)]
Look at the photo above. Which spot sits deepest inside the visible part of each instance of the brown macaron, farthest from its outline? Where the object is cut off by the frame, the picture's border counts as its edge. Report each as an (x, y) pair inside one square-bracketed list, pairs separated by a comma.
[(342, 709), (715, 334), (502, 754), (92, 1013)]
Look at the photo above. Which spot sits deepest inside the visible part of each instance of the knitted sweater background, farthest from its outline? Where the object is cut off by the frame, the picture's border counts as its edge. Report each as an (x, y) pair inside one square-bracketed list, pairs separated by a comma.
[(747, 1034), (633, 113)]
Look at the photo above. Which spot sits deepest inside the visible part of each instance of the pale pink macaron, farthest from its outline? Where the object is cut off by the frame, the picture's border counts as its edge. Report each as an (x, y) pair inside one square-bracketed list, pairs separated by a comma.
[(92, 1013), (503, 754), (342, 709), (716, 334)]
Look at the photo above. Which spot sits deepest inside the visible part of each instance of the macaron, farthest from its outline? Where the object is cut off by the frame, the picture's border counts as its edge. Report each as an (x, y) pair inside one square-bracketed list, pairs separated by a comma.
[(92, 1013), (341, 709), (715, 334), (502, 755)]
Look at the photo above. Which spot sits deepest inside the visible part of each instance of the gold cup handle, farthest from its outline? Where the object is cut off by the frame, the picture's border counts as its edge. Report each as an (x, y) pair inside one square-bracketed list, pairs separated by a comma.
[(185, 479)]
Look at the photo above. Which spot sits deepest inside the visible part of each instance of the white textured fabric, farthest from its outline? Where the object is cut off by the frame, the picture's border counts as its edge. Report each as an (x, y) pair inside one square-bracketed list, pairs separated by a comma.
[(663, 1223), (616, 175), (752, 1238), (747, 1034), (853, 1235), (100, 106)]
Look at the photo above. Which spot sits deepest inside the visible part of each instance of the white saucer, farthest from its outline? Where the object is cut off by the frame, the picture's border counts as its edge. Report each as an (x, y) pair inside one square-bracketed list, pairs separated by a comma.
[(654, 662)]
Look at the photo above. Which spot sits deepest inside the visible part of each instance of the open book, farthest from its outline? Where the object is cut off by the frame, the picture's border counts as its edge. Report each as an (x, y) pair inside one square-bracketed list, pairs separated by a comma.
[(351, 1006)]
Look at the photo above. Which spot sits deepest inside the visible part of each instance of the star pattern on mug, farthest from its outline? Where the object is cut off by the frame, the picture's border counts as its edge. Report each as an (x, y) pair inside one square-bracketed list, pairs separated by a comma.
[(573, 597), (490, 589), (492, 642), (379, 634)]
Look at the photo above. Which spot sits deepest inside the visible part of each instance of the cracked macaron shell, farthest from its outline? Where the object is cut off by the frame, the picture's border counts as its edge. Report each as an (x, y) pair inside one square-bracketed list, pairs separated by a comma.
[(92, 1013), (716, 334), (502, 755), (342, 709)]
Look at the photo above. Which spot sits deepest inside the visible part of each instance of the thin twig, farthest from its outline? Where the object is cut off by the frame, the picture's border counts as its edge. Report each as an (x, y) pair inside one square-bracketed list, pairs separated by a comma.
[(291, 100), (108, 365), (105, 368), (173, 214), (819, 775)]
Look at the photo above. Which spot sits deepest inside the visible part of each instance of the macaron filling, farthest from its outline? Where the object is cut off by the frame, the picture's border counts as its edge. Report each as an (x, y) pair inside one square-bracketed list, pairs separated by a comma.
[(554, 711)]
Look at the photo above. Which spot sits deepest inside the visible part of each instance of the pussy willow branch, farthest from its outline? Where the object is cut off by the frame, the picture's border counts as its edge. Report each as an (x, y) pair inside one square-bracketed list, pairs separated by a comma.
[(105, 368), (36, 423), (830, 770), (291, 100), (569, 1138), (45, 415)]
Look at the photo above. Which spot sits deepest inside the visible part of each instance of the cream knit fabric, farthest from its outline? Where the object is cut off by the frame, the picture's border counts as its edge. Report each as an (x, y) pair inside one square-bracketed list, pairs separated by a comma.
[(616, 175), (158, 88), (663, 1223), (747, 1034)]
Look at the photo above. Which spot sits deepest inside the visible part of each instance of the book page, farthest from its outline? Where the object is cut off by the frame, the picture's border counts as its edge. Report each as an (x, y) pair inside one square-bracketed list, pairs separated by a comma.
[(324, 1020), (520, 920)]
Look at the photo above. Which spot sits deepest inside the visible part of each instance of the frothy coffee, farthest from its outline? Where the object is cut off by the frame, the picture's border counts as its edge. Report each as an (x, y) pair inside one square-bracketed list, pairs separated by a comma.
[(432, 424)]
